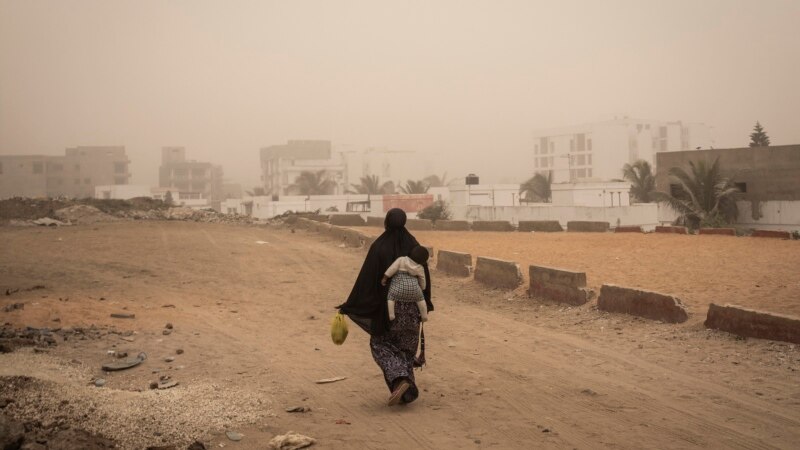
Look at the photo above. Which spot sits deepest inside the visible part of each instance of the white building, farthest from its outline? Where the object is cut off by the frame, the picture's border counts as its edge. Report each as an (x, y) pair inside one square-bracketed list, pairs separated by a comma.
[(597, 194), (597, 151), (282, 164)]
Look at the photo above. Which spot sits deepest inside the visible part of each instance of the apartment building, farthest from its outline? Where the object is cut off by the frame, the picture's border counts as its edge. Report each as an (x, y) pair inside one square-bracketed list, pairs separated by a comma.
[(189, 179), (597, 151), (76, 174), (282, 164)]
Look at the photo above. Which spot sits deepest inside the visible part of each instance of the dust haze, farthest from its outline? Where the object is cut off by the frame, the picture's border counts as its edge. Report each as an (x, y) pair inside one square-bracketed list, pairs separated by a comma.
[(462, 83)]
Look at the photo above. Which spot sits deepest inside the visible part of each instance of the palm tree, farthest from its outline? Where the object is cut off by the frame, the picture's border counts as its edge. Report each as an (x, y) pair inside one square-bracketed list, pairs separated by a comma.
[(414, 187), (537, 187), (313, 183), (258, 191), (703, 198), (371, 184), (436, 180), (643, 183)]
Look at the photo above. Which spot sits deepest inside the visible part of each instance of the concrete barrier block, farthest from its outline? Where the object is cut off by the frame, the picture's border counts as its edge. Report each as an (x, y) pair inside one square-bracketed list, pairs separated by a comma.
[(547, 226), (419, 224), (628, 229), (492, 225), (636, 302), (586, 226), (375, 221), (347, 220), (451, 225), (497, 273), (772, 234), (718, 231), (671, 230), (454, 263), (752, 323), (558, 285), (337, 233), (353, 238)]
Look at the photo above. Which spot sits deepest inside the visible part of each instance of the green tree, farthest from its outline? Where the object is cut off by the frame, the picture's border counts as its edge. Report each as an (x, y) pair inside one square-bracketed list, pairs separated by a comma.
[(168, 198), (438, 210), (702, 197), (258, 191), (759, 138), (371, 184), (414, 187), (313, 183), (643, 183), (537, 187), (436, 180)]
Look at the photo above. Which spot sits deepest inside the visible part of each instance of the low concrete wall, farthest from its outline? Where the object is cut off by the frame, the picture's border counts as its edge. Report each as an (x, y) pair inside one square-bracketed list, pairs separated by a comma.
[(546, 226), (628, 230), (347, 220), (671, 229), (497, 273), (642, 214), (454, 263), (751, 323), (772, 234), (558, 285), (375, 221), (636, 302), (586, 226), (353, 238), (492, 225), (451, 225), (419, 224), (718, 231)]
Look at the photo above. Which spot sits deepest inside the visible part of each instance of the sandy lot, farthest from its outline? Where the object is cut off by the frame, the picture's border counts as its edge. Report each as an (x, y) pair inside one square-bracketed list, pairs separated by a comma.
[(752, 272), (504, 371)]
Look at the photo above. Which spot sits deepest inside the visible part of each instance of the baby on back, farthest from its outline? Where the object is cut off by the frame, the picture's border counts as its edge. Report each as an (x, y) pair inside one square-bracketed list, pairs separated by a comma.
[(408, 281)]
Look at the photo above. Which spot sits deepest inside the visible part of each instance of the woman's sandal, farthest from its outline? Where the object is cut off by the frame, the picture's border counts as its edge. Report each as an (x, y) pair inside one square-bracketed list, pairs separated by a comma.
[(397, 393)]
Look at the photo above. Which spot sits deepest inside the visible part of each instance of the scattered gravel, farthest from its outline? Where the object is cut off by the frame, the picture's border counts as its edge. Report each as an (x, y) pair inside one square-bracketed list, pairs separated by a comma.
[(57, 393)]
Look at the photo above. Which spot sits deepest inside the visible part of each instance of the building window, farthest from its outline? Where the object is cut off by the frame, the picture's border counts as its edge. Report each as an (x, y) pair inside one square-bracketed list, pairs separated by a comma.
[(741, 186), (120, 167), (588, 145), (581, 173), (581, 160), (38, 167)]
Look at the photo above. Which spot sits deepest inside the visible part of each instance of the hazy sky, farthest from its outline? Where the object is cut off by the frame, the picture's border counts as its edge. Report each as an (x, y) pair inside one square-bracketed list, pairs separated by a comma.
[(465, 82)]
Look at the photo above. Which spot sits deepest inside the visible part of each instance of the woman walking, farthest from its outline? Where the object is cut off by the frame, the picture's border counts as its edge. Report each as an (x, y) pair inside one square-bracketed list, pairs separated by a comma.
[(393, 343)]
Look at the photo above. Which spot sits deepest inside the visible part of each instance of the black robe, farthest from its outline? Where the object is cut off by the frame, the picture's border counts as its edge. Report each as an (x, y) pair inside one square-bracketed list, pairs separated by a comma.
[(366, 304)]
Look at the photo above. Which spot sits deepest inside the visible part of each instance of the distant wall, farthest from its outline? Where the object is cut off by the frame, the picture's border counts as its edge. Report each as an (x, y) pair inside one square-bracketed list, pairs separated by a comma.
[(641, 214)]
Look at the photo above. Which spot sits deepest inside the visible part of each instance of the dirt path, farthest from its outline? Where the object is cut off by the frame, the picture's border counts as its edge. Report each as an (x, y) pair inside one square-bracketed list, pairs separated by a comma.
[(503, 372)]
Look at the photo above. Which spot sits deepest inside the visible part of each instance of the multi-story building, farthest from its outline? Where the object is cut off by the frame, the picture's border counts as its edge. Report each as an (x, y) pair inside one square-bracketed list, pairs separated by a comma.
[(76, 174), (597, 151), (282, 164), (189, 179)]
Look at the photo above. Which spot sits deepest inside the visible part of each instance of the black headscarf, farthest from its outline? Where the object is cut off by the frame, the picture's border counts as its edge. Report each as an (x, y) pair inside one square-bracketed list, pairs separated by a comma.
[(366, 305)]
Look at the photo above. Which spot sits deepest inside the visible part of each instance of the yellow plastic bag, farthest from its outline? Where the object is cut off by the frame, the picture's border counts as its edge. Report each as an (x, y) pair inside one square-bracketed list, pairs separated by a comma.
[(338, 329)]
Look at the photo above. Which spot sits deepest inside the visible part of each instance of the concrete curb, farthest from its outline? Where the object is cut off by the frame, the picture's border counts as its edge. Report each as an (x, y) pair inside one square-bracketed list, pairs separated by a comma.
[(454, 263), (637, 302), (751, 323), (558, 285)]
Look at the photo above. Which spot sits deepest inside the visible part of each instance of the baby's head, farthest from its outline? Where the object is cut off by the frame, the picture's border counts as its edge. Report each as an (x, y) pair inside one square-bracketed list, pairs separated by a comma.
[(419, 255)]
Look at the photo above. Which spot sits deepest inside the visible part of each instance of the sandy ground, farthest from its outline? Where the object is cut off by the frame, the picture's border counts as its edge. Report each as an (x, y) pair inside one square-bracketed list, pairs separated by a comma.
[(504, 371), (752, 272)]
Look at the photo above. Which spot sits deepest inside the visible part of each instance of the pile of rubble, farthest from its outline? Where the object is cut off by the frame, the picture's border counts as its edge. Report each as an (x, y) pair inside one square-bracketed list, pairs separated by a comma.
[(49, 212), (13, 338)]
